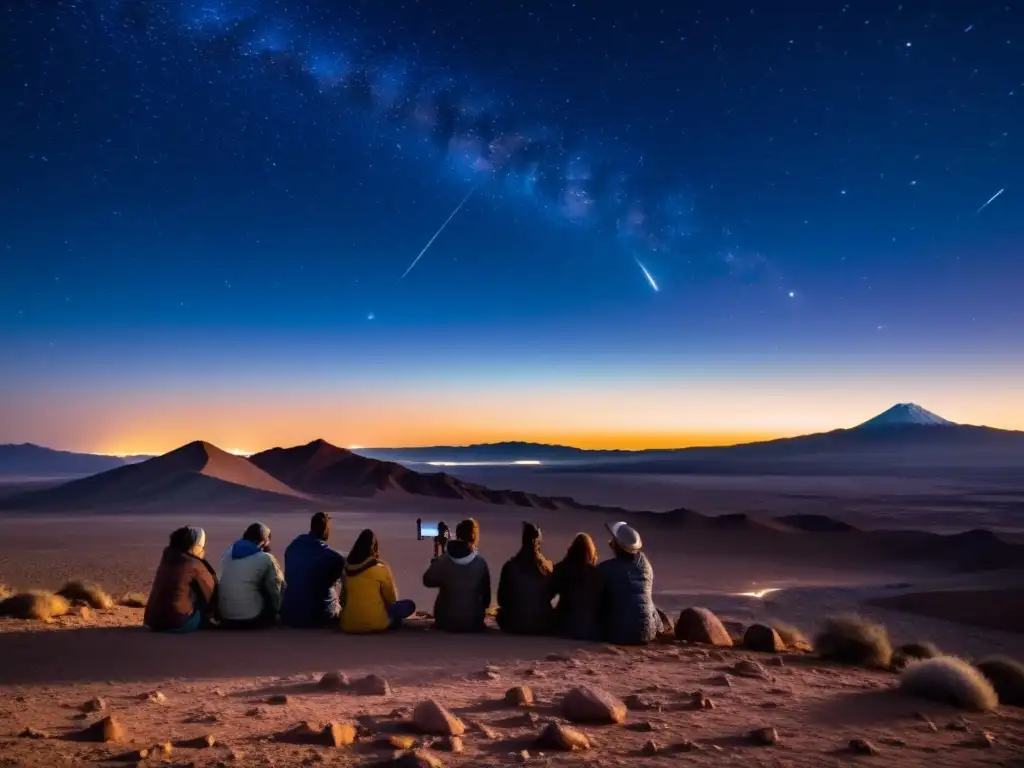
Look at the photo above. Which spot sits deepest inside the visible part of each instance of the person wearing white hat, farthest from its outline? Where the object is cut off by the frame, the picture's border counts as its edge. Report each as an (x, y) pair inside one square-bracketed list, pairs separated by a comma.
[(629, 614)]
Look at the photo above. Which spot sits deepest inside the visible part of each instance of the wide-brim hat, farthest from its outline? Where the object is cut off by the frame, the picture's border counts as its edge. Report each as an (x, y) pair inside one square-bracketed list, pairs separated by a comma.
[(625, 537)]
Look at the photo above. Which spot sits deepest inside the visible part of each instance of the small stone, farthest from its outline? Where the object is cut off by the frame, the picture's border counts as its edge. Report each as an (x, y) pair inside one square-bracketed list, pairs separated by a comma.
[(235, 754), (430, 717), (519, 696), (334, 681), (892, 741), (163, 749), (562, 738), (524, 720), (650, 749), (522, 756), (372, 685), (339, 734), (638, 702), (862, 747), (748, 668), (644, 726), (483, 729), (418, 758), (255, 712), (453, 744), (400, 713), (986, 740), (723, 680), (82, 612), (107, 730), (584, 704), (156, 697), (95, 704), (279, 699), (399, 741), (33, 733), (534, 672), (959, 725), (765, 737), (687, 746)]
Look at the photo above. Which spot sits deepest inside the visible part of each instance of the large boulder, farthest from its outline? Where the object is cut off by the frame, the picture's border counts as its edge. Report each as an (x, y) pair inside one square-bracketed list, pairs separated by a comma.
[(431, 718), (584, 704), (699, 625), (764, 639)]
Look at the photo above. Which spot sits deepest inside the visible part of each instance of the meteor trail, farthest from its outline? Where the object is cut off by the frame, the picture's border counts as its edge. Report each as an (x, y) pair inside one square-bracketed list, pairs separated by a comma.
[(647, 274), (440, 229), (997, 194)]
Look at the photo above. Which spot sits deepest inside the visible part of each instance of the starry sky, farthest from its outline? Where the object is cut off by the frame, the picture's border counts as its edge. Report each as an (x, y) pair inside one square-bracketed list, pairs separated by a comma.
[(657, 224)]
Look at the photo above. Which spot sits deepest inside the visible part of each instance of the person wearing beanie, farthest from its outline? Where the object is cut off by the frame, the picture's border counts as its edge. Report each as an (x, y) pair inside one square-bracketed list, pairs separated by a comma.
[(183, 597)]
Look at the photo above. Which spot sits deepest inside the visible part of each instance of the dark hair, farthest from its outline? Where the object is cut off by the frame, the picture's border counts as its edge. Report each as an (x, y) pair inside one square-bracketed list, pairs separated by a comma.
[(320, 525), (181, 539), (468, 531), (255, 533), (365, 548), (529, 553), (442, 528), (582, 552)]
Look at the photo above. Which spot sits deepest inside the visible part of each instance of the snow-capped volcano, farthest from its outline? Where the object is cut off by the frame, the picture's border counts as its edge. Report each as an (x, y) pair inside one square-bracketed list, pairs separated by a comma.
[(906, 414)]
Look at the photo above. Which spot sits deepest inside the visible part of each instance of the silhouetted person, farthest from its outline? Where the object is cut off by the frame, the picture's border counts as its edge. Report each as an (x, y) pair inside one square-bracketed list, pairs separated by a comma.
[(524, 589), (370, 599), (184, 593), (251, 582), (419, 529), (463, 581), (312, 570), (578, 586), (441, 539), (627, 607)]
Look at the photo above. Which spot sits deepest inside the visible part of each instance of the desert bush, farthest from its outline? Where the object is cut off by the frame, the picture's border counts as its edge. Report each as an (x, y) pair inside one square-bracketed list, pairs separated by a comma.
[(949, 680), (38, 605), (1007, 677), (854, 640), (791, 636), (91, 594), (134, 600), (909, 652)]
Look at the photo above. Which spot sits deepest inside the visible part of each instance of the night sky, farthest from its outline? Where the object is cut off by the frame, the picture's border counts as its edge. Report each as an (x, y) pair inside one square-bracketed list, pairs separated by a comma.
[(680, 223)]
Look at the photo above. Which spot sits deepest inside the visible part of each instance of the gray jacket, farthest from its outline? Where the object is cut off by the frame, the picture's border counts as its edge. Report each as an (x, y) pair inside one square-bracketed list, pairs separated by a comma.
[(463, 581)]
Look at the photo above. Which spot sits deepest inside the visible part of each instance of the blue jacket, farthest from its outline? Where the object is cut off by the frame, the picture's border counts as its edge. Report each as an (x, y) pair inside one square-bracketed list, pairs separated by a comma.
[(628, 613), (311, 572)]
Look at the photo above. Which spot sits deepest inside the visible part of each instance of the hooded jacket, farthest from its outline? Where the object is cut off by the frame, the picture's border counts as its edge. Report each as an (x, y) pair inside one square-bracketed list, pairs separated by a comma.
[(251, 583), (183, 585), (369, 588), (463, 581), (311, 570), (524, 598), (627, 608), (579, 590)]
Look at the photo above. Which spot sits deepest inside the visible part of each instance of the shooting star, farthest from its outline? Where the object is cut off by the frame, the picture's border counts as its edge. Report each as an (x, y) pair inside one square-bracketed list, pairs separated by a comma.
[(440, 229), (647, 274), (989, 201)]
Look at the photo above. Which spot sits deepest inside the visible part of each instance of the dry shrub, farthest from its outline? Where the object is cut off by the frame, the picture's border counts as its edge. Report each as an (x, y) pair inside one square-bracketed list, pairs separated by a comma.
[(909, 652), (791, 636), (949, 680), (134, 600), (37, 604), (854, 640), (91, 594), (1007, 677)]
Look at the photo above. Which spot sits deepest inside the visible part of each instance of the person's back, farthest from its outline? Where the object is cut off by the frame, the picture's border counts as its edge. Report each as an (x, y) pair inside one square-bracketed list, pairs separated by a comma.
[(578, 585), (370, 602), (184, 589), (524, 589), (311, 571), (629, 616), (251, 581), (463, 581)]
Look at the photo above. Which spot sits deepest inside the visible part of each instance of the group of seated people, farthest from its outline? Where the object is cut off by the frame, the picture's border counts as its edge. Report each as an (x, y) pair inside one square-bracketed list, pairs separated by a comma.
[(578, 597)]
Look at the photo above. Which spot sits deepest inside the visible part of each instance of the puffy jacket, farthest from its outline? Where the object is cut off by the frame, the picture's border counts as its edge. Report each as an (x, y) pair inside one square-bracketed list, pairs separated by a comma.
[(369, 590), (579, 591), (311, 571), (627, 607), (524, 599), (251, 582), (463, 581), (183, 585)]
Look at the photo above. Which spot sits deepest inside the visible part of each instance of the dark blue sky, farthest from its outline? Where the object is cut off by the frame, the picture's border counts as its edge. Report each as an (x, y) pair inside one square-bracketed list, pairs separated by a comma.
[(202, 197)]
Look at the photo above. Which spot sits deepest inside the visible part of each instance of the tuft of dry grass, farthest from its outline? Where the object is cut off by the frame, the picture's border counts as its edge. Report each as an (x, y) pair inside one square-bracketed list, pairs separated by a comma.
[(92, 595), (949, 680), (854, 640), (793, 638), (38, 605), (1007, 677), (909, 652), (134, 600)]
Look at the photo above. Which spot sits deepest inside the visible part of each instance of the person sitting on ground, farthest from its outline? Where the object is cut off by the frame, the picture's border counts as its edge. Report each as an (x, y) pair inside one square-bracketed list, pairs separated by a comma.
[(463, 581), (184, 593), (251, 582), (524, 589), (370, 599), (577, 584), (628, 614), (441, 539), (312, 570)]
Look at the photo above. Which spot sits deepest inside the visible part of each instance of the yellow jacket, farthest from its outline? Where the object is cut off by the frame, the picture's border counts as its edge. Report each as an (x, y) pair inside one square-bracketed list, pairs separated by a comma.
[(369, 588)]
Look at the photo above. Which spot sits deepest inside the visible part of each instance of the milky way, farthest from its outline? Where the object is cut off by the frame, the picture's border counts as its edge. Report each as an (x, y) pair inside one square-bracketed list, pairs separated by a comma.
[(475, 131)]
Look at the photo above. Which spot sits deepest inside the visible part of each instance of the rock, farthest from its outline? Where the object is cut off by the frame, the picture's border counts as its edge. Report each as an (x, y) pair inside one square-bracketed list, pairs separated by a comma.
[(453, 744), (562, 738), (82, 612), (397, 741), (959, 725), (534, 672), (483, 729), (278, 699), (339, 734), (255, 712), (645, 726), (748, 668), (776, 661), (862, 747), (700, 701), (524, 720), (156, 697), (584, 704), (372, 685), (32, 733), (95, 704), (334, 681), (723, 680), (417, 758), (641, 703), (986, 740), (892, 741), (699, 625), (520, 696), (490, 673), (650, 749), (430, 717), (763, 639), (714, 656), (208, 741), (400, 713), (687, 746), (107, 730), (522, 756), (764, 737)]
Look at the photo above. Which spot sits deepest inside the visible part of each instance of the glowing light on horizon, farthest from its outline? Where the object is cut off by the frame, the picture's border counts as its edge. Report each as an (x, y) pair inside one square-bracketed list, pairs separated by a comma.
[(521, 463), (239, 452), (759, 594)]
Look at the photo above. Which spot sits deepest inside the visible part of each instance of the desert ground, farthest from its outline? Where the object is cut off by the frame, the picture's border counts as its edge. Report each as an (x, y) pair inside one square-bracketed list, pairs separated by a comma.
[(222, 684)]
